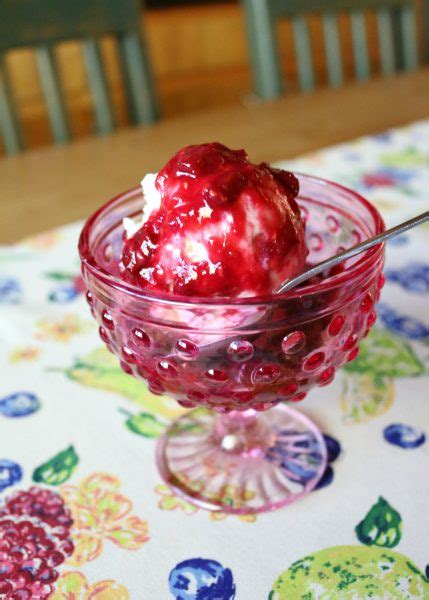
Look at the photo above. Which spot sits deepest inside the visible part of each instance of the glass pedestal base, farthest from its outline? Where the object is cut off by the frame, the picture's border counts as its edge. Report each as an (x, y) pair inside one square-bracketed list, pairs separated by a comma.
[(242, 462)]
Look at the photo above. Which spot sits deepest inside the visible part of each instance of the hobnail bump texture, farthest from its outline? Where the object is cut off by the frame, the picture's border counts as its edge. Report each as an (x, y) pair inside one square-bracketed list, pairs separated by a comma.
[(243, 355)]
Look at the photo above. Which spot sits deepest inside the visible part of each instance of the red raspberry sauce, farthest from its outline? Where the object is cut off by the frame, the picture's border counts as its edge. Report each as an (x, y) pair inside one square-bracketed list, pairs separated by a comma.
[(225, 227)]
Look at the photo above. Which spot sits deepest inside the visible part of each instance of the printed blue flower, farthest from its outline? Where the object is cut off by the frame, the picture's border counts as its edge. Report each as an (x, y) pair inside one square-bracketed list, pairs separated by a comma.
[(10, 473), (201, 579), (414, 277), (63, 294), (404, 436), (408, 327), (10, 290), (400, 240), (383, 137), (19, 404), (326, 479), (333, 447)]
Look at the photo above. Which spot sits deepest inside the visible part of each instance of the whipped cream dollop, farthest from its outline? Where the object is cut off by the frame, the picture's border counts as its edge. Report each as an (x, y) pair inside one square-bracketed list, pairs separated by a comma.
[(152, 201)]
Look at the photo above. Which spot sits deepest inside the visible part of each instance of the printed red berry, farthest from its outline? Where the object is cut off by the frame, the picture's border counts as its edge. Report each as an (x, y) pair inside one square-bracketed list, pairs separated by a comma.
[(34, 539)]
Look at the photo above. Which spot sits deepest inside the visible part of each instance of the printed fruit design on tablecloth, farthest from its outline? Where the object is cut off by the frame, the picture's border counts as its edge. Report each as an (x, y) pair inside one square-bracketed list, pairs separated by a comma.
[(404, 325), (24, 353), (387, 177), (333, 447), (101, 513), (404, 436), (351, 573), (382, 526), (396, 170), (357, 572), (201, 579), (63, 328), (100, 369), (413, 277), (144, 424), (58, 469), (19, 404), (368, 386), (10, 473), (34, 541), (10, 290), (409, 157), (68, 286), (75, 586)]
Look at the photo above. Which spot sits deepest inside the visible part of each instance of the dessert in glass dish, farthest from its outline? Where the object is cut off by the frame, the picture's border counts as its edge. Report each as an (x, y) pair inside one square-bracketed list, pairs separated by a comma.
[(182, 276)]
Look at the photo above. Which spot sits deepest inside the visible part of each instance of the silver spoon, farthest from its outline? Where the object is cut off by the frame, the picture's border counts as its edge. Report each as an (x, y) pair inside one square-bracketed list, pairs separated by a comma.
[(326, 264), (338, 258)]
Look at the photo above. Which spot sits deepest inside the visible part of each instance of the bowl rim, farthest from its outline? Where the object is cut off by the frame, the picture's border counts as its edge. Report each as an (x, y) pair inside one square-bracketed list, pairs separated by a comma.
[(365, 261)]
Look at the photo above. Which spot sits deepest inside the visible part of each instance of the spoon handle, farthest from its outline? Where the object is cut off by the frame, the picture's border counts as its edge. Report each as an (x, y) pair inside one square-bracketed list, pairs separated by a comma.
[(365, 245)]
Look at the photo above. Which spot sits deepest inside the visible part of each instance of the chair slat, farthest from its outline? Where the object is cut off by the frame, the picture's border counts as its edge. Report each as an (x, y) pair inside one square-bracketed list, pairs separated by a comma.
[(98, 85), (139, 79), (360, 46), (385, 41), (303, 53), (9, 127), (290, 8), (332, 49), (47, 68), (425, 28), (263, 48), (409, 37)]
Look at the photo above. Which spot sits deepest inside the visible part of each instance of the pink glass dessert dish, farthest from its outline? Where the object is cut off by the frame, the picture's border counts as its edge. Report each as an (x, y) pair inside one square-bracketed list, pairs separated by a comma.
[(239, 365)]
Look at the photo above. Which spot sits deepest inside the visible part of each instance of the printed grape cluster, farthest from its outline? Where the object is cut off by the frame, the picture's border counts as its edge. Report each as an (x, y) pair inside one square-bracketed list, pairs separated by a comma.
[(34, 540)]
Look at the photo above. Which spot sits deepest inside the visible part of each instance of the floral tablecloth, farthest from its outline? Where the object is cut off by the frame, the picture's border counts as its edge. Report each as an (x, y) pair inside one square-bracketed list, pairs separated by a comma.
[(83, 512)]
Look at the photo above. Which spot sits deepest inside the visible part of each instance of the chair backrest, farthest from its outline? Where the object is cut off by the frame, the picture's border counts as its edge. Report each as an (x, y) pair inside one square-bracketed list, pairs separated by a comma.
[(42, 24), (396, 28)]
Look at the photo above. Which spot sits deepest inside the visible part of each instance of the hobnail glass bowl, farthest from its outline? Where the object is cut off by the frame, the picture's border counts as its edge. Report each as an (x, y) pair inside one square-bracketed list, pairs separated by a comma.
[(232, 360)]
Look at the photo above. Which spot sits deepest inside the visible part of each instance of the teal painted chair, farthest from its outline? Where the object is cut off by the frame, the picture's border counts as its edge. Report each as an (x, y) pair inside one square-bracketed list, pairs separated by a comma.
[(43, 23), (397, 39)]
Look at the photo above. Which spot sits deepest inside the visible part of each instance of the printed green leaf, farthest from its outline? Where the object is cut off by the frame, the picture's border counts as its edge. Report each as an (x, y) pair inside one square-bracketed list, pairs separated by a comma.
[(100, 369), (382, 526), (383, 354), (365, 397), (59, 276), (146, 425), (409, 157), (58, 469)]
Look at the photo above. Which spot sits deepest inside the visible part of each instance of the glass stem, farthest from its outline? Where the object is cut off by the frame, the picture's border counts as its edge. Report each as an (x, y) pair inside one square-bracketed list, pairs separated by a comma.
[(241, 432)]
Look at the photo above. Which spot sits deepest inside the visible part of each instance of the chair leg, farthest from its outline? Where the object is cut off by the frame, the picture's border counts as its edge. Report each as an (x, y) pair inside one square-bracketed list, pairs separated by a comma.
[(263, 47), (139, 79), (9, 127)]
